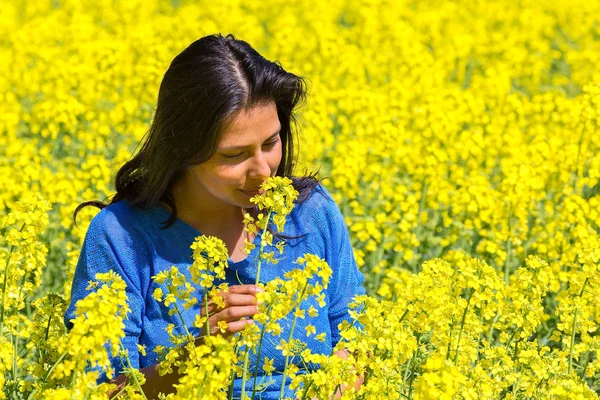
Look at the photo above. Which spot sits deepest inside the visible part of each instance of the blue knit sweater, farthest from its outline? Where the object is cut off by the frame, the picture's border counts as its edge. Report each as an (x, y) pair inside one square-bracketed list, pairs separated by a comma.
[(130, 241)]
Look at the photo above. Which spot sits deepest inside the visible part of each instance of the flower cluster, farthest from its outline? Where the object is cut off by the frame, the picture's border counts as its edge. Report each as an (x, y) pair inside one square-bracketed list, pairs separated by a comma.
[(276, 201), (210, 259)]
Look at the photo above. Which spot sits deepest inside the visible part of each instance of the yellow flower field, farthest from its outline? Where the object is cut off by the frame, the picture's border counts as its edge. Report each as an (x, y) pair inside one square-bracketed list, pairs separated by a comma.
[(459, 139)]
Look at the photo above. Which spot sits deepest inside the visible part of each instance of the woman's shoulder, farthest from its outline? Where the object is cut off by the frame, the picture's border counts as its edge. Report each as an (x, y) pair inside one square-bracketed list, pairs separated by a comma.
[(319, 208), (318, 197), (120, 218)]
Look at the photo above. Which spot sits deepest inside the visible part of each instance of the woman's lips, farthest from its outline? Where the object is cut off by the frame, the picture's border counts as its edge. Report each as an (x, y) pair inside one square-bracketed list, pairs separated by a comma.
[(250, 193)]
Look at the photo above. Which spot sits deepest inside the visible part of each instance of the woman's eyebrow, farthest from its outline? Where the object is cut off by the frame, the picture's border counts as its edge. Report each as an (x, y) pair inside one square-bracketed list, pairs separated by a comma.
[(273, 136)]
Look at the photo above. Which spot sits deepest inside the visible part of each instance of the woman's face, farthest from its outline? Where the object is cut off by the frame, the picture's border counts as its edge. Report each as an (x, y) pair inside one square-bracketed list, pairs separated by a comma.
[(249, 151)]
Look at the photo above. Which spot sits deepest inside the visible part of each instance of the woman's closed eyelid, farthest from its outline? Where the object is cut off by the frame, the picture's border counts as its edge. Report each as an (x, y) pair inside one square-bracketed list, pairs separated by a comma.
[(268, 144), (232, 155), (272, 142)]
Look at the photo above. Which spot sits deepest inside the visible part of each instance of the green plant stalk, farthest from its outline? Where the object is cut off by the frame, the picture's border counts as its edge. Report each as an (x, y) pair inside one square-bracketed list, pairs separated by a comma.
[(462, 325), (206, 310), (73, 379), (587, 361), (245, 372), (137, 383), (258, 265), (116, 396), (47, 333), (305, 392), (182, 321), (261, 249), (573, 329), (287, 357), (578, 156), (449, 347), (12, 248), (403, 315), (16, 338), (491, 331), (262, 333), (410, 362), (45, 379), (232, 377), (368, 373), (205, 296), (60, 358), (508, 250)]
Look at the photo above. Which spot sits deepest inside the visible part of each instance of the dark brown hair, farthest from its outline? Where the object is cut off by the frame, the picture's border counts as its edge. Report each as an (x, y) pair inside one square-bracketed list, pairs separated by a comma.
[(206, 85)]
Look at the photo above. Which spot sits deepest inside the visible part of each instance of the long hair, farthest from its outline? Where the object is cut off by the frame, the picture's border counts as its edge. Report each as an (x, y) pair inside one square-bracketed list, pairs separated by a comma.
[(209, 82)]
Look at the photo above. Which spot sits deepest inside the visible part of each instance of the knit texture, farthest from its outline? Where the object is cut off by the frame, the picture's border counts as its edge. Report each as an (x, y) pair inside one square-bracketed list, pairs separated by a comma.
[(131, 242)]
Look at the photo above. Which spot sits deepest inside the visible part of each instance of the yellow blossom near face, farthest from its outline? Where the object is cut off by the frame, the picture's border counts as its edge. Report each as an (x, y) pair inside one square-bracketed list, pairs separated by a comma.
[(277, 196)]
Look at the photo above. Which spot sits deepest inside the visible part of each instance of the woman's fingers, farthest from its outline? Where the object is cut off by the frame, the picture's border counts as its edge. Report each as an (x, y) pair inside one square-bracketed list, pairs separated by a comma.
[(233, 300), (240, 307), (244, 289), (230, 300), (232, 327), (234, 313), (239, 295)]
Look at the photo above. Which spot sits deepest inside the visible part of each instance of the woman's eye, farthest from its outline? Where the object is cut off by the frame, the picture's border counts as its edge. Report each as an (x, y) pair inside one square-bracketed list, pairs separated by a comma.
[(270, 144), (232, 156)]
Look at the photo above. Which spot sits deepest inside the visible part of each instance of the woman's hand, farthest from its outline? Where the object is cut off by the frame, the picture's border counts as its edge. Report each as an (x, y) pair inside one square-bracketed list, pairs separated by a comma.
[(240, 307)]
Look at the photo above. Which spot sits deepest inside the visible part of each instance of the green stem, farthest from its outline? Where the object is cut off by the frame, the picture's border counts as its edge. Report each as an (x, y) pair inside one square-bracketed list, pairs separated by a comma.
[(206, 310), (449, 347), (462, 324), (573, 329), (182, 321), (12, 248), (261, 249), (403, 315), (410, 362), (587, 361), (508, 250), (45, 335), (491, 331), (262, 334), (137, 383), (232, 376), (116, 396), (577, 160), (16, 338), (245, 371), (15, 353), (60, 358), (305, 392), (287, 357)]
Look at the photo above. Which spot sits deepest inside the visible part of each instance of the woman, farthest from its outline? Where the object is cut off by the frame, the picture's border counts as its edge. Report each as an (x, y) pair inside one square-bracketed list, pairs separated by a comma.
[(223, 124)]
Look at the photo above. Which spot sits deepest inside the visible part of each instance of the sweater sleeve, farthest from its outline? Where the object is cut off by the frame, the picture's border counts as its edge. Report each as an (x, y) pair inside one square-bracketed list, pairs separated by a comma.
[(346, 280), (109, 246)]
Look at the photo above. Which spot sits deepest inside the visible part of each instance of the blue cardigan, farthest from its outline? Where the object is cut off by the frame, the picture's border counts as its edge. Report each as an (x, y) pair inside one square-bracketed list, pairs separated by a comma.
[(130, 241)]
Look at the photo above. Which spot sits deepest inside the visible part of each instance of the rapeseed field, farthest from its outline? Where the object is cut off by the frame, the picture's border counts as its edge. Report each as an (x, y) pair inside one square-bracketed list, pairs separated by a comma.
[(459, 139)]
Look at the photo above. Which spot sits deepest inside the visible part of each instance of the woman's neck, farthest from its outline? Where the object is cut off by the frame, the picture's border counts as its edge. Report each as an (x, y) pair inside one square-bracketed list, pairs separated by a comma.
[(207, 214)]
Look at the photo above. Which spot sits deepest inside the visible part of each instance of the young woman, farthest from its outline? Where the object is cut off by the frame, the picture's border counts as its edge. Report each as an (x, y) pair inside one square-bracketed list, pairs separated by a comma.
[(224, 123)]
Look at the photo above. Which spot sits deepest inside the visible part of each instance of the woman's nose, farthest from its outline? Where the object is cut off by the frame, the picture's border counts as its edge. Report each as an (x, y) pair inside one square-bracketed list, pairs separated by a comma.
[(260, 167)]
